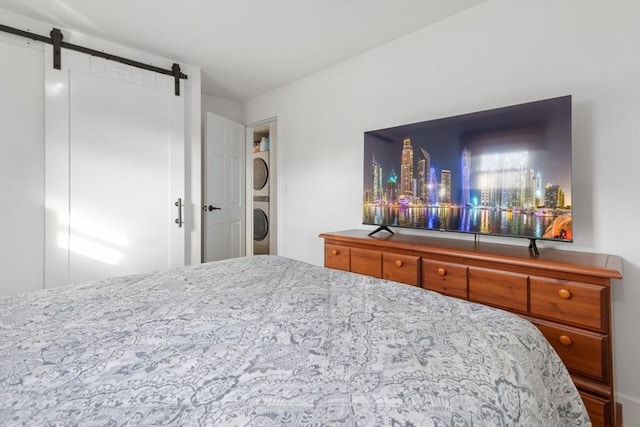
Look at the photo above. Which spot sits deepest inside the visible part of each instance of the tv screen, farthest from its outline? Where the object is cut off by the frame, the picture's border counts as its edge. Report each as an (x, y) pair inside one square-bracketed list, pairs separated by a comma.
[(505, 172)]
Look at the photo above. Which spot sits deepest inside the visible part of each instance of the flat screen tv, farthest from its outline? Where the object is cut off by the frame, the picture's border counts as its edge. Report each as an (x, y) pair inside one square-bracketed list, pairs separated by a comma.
[(500, 172)]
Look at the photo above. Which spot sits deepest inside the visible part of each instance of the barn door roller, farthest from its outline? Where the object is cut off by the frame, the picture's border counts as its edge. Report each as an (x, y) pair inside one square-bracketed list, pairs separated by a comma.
[(56, 40)]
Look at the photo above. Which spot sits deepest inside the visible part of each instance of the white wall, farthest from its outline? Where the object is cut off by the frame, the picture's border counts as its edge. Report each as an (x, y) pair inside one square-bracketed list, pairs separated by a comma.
[(496, 54), (231, 110)]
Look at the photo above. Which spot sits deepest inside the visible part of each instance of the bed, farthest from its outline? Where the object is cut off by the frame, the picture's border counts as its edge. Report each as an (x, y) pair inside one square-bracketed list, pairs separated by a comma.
[(271, 341)]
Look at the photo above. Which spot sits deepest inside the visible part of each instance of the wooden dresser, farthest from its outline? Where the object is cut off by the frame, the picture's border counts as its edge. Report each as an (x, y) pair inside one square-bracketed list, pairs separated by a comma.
[(566, 294)]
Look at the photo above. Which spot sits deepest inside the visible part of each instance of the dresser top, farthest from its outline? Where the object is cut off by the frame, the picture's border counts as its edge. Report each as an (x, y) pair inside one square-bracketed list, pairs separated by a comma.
[(594, 264)]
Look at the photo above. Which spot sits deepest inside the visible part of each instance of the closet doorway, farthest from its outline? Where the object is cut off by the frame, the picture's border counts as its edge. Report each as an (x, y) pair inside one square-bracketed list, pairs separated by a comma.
[(261, 167)]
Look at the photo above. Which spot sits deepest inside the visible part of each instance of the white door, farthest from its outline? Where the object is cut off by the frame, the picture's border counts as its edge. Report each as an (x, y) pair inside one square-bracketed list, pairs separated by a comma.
[(224, 189), (114, 170)]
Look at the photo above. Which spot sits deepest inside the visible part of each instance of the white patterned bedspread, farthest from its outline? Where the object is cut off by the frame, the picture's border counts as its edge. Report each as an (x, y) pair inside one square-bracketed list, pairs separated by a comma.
[(269, 341)]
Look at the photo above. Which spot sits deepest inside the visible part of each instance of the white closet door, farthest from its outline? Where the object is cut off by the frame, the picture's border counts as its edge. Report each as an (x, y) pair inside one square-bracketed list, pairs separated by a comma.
[(115, 168), (224, 186)]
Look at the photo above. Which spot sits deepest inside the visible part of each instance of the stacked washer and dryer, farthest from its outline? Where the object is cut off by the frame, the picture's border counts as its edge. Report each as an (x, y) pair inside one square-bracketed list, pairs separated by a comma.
[(261, 197)]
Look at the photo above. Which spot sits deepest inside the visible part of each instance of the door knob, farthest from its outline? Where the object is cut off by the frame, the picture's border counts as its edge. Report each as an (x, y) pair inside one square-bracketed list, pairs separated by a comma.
[(210, 208)]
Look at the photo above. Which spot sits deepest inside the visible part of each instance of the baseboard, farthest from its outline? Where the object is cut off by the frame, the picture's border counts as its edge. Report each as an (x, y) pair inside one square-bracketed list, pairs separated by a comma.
[(631, 414)]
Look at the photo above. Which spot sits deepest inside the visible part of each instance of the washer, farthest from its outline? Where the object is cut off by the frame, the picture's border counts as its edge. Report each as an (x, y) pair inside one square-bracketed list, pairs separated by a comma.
[(260, 228), (261, 223)]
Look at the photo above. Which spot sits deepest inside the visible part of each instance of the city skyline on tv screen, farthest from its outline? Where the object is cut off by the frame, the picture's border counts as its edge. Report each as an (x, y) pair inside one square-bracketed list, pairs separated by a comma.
[(505, 171)]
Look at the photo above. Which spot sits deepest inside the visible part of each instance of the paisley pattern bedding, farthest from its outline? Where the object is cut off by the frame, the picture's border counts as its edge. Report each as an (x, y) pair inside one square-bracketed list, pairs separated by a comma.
[(270, 341)]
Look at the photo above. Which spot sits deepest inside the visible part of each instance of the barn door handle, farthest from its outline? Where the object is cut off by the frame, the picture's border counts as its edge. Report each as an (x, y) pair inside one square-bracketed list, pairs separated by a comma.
[(179, 219)]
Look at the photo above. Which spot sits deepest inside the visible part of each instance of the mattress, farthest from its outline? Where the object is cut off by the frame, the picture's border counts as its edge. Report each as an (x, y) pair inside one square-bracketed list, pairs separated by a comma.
[(271, 341)]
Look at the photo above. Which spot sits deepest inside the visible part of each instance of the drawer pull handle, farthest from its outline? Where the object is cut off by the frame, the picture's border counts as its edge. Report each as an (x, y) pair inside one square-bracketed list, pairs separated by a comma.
[(564, 293), (399, 263), (334, 252), (442, 271), (565, 340)]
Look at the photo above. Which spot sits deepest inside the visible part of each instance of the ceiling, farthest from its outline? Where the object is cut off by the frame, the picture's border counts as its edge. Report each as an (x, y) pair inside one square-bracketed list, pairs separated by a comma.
[(244, 47)]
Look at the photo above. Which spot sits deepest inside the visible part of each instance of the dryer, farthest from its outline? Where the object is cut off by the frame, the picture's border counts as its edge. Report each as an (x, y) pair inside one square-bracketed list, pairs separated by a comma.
[(261, 175)]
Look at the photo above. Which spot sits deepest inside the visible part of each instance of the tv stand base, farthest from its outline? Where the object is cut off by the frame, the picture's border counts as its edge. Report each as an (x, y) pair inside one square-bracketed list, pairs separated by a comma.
[(532, 245), (381, 228)]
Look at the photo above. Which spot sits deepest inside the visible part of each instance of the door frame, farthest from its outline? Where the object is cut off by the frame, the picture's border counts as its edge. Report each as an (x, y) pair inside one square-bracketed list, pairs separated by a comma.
[(271, 124)]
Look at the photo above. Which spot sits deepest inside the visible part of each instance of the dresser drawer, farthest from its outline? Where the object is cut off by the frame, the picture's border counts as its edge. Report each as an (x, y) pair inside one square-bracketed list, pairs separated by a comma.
[(338, 257), (498, 288), (366, 261), (401, 268), (581, 351), (445, 277), (571, 302), (599, 410)]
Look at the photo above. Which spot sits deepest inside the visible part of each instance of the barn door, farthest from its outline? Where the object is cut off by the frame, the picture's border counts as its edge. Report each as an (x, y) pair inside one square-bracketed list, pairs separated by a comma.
[(114, 170)]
